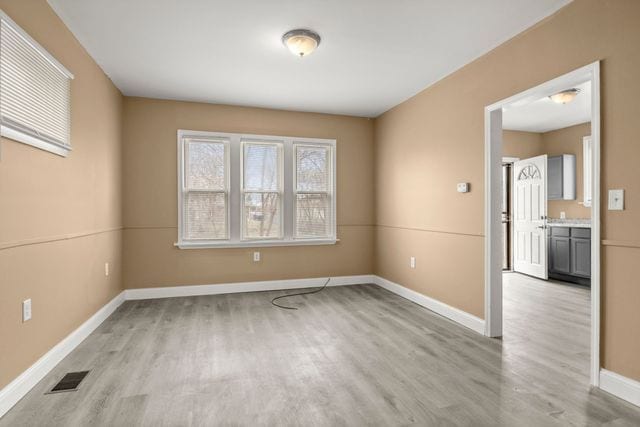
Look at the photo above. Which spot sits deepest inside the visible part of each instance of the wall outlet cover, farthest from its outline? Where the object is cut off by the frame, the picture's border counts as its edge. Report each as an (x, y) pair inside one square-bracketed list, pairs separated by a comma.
[(616, 200), (463, 187), (256, 256), (412, 262)]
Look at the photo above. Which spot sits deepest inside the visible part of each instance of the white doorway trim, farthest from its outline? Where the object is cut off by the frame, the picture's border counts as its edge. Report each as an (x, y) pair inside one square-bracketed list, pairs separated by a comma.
[(492, 167)]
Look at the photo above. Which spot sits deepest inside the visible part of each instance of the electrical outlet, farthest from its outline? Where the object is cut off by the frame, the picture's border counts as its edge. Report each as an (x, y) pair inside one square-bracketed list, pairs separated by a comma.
[(26, 310), (412, 262), (256, 256), (106, 268), (563, 215)]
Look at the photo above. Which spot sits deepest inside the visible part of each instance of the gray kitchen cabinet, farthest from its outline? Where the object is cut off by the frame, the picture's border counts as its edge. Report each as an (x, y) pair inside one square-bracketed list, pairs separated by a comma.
[(560, 253), (561, 177), (581, 257), (570, 254)]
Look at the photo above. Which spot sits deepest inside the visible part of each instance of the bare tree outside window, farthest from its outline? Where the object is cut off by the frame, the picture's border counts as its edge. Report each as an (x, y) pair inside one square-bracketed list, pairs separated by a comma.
[(261, 189), (205, 190), (312, 191)]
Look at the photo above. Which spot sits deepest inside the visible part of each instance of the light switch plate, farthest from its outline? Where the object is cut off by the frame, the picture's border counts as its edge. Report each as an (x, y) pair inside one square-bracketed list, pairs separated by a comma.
[(412, 262), (463, 187), (26, 310), (616, 200)]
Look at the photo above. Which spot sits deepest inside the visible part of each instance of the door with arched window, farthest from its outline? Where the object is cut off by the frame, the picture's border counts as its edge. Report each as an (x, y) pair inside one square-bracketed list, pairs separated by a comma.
[(530, 216)]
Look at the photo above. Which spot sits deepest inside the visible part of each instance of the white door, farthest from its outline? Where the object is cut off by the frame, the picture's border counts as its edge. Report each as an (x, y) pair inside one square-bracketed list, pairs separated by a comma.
[(530, 216)]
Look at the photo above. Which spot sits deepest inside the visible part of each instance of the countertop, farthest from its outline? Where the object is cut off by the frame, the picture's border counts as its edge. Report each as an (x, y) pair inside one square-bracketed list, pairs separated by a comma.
[(569, 222)]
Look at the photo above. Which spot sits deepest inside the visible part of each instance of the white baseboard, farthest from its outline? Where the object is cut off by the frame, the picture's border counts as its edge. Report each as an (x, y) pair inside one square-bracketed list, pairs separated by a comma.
[(622, 387), (16, 389), (230, 288), (462, 317)]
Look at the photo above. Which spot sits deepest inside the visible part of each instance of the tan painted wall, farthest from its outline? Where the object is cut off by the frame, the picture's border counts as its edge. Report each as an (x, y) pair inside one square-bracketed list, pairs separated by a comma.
[(61, 218), (150, 213), (568, 141), (562, 141), (435, 139), (520, 144)]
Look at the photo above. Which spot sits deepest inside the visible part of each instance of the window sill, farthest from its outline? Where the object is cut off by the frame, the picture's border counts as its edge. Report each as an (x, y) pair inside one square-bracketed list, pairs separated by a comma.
[(254, 244), (15, 135)]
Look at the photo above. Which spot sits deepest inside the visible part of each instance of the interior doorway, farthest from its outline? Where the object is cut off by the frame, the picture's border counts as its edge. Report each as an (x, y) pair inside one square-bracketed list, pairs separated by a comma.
[(530, 247)]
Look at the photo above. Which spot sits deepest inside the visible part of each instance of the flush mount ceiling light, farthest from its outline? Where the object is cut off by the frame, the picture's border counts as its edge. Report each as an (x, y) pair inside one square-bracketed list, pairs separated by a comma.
[(565, 97), (301, 42)]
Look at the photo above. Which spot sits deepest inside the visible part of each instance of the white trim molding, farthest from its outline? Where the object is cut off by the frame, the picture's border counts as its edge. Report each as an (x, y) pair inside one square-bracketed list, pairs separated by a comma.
[(455, 314), (16, 389), (620, 386), (492, 167), (231, 288)]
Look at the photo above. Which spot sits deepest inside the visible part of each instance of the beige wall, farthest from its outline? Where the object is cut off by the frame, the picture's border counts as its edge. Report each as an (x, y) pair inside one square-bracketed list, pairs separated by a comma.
[(562, 141), (150, 214), (61, 217), (435, 139), (520, 144)]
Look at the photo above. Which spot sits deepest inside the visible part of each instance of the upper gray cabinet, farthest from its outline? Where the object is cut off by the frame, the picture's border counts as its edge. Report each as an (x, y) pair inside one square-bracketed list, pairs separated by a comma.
[(561, 177)]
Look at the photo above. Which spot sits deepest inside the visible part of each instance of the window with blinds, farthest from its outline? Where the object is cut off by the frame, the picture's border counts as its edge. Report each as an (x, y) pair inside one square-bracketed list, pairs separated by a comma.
[(253, 190), (35, 92), (205, 189), (313, 193), (261, 190)]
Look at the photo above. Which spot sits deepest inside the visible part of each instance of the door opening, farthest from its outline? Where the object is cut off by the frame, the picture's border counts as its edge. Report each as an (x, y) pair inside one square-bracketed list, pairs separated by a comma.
[(529, 246)]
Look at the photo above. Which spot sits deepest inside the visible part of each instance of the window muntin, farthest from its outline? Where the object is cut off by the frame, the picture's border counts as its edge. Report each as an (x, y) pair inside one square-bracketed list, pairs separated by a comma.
[(277, 191)]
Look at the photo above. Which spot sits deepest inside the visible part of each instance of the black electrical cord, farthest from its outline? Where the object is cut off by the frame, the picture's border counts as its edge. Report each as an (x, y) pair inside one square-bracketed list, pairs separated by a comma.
[(315, 291)]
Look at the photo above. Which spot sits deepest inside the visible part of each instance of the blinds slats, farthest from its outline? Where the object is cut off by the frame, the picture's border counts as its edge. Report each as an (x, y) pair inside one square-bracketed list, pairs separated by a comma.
[(34, 93)]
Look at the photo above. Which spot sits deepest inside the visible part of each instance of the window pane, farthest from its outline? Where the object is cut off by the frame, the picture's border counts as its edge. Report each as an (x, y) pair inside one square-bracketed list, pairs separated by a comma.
[(205, 216), (261, 167), (313, 215), (262, 215), (312, 168), (205, 166)]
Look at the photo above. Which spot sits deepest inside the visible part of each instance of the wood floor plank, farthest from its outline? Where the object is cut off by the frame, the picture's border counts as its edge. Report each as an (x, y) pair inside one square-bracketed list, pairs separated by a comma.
[(352, 355)]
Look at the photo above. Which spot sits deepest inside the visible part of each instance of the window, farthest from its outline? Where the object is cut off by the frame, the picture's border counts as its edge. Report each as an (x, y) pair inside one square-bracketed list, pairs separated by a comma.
[(251, 190), (35, 92)]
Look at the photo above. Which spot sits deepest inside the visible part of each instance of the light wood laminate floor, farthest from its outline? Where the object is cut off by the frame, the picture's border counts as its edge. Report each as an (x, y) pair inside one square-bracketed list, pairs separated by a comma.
[(352, 355)]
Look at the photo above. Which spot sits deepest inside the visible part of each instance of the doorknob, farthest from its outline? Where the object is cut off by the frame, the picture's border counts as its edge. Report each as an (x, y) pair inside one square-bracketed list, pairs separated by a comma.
[(544, 227), (543, 217)]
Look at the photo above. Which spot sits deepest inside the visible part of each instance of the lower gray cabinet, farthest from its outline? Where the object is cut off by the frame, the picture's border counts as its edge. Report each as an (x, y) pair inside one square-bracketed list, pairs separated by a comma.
[(581, 257), (570, 254)]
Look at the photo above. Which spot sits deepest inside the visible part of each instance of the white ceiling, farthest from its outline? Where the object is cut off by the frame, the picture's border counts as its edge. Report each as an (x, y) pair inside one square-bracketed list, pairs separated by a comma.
[(374, 53), (544, 115)]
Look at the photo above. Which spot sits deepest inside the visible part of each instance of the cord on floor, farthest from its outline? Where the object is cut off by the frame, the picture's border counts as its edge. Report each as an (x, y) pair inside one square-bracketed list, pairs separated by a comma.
[(315, 291)]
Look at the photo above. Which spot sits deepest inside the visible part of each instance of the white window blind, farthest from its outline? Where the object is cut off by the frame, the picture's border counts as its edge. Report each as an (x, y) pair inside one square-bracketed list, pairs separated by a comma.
[(313, 191), (262, 189), (205, 189), (239, 190), (35, 92)]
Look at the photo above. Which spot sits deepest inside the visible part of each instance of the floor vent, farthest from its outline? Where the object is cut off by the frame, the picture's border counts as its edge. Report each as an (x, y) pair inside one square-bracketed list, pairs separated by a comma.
[(69, 382)]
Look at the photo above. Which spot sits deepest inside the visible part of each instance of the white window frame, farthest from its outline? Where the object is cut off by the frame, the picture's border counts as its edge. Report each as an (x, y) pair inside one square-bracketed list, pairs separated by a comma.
[(235, 175), (31, 137)]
